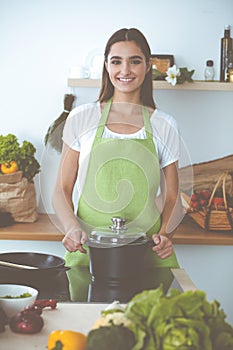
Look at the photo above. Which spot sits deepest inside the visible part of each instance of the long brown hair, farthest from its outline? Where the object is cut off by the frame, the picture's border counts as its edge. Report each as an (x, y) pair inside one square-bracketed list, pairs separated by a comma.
[(107, 89)]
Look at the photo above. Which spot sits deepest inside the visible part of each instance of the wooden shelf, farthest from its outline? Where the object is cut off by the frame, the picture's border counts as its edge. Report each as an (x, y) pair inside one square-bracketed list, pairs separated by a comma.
[(189, 232), (46, 229), (162, 85)]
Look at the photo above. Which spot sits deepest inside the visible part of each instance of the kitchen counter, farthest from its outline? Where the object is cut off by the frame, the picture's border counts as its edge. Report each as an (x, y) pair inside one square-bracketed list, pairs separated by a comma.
[(45, 229), (71, 316), (75, 283), (77, 316)]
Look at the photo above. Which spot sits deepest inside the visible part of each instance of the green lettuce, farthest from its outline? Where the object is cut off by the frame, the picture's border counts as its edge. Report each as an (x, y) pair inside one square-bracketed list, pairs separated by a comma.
[(178, 321)]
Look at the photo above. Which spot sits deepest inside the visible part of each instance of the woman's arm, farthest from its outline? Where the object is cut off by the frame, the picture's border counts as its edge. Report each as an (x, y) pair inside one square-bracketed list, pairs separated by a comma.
[(62, 200), (171, 213)]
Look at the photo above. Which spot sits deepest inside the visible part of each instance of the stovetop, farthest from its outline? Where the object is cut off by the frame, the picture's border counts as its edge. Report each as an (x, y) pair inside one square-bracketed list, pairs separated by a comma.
[(77, 284)]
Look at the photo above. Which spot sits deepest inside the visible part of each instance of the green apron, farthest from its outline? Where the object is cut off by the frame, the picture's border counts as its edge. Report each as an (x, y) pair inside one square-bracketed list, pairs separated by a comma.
[(122, 179)]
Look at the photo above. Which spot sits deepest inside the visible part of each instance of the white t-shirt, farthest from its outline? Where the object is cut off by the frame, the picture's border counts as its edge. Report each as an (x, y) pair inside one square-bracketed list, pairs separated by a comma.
[(82, 123)]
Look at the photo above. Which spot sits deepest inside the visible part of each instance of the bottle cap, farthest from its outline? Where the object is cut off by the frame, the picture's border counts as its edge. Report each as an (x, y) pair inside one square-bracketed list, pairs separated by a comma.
[(227, 27), (210, 63)]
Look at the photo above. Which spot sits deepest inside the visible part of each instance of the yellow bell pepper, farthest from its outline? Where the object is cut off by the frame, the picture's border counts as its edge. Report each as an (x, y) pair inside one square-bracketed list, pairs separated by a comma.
[(9, 167), (66, 340)]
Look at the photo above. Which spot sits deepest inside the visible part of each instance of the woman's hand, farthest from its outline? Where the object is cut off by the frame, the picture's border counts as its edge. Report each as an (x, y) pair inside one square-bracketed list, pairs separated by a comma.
[(163, 246), (74, 239)]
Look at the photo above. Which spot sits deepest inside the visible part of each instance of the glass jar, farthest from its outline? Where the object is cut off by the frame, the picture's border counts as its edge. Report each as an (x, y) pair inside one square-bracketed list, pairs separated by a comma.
[(209, 71)]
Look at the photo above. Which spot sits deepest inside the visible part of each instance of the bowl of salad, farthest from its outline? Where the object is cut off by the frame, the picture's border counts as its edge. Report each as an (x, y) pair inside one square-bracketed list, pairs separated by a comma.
[(15, 297)]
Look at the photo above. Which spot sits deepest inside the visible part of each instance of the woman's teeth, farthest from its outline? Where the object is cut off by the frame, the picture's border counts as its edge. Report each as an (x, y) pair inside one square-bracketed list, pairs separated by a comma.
[(125, 79)]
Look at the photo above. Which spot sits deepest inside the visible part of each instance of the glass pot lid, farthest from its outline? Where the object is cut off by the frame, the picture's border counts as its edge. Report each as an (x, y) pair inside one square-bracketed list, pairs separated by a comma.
[(117, 234)]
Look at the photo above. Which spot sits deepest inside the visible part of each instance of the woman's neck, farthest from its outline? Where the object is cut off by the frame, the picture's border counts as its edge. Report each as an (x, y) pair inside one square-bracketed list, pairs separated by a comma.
[(125, 118), (131, 98)]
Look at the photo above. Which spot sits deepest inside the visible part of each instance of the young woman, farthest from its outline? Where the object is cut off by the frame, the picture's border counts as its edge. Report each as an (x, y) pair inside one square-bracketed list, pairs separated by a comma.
[(122, 154)]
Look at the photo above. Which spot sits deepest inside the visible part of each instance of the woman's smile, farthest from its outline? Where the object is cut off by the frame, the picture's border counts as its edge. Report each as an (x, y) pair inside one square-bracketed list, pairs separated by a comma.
[(126, 80)]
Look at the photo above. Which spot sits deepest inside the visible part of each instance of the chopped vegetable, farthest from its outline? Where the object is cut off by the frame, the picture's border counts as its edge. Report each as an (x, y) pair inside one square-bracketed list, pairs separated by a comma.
[(23, 295), (66, 340)]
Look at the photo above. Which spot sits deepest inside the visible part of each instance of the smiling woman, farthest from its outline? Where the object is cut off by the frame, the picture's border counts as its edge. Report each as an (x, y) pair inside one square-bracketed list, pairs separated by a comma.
[(122, 152)]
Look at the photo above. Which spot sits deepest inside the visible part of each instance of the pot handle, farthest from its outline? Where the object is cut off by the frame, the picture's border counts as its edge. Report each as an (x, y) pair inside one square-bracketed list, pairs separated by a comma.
[(151, 243), (62, 268)]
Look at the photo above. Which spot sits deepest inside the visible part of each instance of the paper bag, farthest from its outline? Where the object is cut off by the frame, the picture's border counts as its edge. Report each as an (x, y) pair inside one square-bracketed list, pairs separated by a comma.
[(19, 199)]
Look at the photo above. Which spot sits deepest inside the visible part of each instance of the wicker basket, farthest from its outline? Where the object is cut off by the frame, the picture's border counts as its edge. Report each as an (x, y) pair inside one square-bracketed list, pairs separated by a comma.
[(214, 219)]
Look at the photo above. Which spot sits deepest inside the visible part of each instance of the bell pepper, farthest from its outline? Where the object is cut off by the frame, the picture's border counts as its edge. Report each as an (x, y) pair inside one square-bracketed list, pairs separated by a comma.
[(66, 340), (9, 167)]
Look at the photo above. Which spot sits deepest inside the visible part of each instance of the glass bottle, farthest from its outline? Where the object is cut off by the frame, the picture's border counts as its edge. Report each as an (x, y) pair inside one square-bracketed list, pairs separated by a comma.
[(229, 73), (226, 47), (209, 71)]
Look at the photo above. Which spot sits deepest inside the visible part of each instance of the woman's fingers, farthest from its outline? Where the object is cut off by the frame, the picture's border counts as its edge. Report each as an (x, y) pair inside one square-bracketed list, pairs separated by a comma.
[(163, 246), (74, 240)]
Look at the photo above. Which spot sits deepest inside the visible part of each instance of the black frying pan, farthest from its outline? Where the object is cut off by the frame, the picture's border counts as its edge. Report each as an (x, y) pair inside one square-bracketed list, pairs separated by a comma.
[(49, 278), (45, 263)]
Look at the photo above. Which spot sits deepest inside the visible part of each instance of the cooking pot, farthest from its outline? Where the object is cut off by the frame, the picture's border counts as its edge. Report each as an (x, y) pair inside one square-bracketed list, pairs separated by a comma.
[(117, 252)]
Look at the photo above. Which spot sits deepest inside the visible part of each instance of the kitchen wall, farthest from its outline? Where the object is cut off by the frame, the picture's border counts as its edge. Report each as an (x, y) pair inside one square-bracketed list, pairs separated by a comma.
[(41, 40)]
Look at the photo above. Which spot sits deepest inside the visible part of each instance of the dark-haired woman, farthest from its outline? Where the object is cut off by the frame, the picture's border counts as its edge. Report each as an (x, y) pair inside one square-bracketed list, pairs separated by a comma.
[(121, 153)]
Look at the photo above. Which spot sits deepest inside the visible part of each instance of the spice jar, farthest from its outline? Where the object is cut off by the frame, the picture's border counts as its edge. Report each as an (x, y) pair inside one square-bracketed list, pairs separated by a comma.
[(209, 71)]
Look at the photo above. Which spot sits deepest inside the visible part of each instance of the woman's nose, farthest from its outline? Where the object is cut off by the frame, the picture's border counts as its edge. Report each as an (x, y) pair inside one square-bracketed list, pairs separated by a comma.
[(125, 68)]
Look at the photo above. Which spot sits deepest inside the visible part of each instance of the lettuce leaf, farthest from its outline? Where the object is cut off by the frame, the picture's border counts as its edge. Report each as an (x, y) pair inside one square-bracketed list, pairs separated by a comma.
[(178, 321)]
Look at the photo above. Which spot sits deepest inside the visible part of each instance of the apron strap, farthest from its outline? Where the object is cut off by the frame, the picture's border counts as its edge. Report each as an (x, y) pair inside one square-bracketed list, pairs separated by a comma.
[(104, 117), (147, 124)]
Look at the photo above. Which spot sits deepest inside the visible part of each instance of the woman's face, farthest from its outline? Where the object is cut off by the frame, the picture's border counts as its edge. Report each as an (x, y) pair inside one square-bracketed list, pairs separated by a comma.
[(126, 66)]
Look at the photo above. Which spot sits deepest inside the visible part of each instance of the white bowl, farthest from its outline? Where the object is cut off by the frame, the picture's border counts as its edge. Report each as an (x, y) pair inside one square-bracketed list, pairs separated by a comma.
[(12, 306)]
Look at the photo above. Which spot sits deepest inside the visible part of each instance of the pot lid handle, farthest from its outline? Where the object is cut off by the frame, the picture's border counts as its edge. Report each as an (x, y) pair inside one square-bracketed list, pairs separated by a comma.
[(118, 224)]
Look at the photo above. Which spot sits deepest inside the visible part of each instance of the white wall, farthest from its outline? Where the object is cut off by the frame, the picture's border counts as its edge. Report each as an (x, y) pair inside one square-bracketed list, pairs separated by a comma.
[(41, 39)]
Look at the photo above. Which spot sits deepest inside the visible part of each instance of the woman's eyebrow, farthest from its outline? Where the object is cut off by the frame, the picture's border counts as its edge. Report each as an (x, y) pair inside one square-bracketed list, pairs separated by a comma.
[(115, 58), (131, 57)]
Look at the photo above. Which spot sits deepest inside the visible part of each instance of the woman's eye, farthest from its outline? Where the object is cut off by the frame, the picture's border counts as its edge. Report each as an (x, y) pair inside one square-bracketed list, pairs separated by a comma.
[(115, 62), (135, 62)]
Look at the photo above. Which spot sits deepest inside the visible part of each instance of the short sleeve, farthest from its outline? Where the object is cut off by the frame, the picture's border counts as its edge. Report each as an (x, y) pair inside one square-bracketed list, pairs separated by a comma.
[(79, 123), (167, 138), (70, 131)]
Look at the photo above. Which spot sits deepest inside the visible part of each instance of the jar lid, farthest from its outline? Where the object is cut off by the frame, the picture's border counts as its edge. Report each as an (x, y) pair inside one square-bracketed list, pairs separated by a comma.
[(116, 235), (210, 63)]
